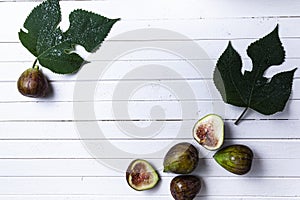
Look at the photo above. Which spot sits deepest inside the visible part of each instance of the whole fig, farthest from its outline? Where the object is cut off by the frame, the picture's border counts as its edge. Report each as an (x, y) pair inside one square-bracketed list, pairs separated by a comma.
[(182, 158), (236, 159), (32, 83), (185, 187)]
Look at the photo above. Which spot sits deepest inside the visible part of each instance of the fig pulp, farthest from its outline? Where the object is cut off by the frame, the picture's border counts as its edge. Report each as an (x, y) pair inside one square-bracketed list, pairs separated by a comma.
[(185, 187), (140, 175), (235, 158), (182, 158), (209, 132), (32, 83)]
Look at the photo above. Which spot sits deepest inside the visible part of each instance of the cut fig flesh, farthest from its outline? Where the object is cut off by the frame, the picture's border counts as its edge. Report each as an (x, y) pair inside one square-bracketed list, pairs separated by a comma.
[(140, 175), (209, 132)]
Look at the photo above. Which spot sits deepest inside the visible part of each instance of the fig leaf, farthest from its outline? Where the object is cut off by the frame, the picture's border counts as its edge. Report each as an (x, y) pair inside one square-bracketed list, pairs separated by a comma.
[(251, 89), (53, 48)]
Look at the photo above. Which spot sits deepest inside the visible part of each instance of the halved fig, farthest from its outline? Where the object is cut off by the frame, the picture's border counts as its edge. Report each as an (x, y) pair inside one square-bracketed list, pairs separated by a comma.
[(140, 175), (209, 132)]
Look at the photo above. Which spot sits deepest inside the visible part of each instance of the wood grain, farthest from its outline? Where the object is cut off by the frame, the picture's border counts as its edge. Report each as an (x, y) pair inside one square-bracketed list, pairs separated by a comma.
[(43, 155)]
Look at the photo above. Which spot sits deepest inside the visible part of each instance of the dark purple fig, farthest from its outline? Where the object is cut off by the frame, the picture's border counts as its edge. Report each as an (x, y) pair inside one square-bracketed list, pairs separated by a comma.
[(235, 158), (185, 187), (182, 158), (32, 83), (140, 175)]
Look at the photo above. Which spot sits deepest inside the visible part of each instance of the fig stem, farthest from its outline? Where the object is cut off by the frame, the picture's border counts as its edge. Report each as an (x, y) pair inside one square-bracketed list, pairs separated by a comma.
[(34, 64), (240, 117)]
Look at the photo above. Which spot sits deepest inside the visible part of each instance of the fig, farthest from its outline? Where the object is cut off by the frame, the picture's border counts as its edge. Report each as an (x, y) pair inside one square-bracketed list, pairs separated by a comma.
[(209, 132), (32, 83), (140, 175), (185, 187), (182, 158), (236, 159)]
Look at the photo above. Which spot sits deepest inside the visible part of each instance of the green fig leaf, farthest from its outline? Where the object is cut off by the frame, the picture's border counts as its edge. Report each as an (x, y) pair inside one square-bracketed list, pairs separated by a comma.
[(55, 49), (251, 89)]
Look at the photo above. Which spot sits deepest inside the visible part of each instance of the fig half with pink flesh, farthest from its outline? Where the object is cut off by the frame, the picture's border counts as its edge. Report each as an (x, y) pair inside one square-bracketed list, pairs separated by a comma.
[(209, 132), (140, 175)]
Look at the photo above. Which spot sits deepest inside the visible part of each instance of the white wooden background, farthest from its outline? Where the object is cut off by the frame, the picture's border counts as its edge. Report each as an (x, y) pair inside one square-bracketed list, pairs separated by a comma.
[(42, 156)]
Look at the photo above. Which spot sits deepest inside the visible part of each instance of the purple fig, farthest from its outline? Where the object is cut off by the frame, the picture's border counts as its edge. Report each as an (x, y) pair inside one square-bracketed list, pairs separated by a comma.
[(182, 158), (185, 187), (32, 83)]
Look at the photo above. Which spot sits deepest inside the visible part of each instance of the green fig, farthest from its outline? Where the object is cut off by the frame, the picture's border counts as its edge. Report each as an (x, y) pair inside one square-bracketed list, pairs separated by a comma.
[(185, 187), (209, 132), (140, 175), (236, 159), (32, 83), (182, 158)]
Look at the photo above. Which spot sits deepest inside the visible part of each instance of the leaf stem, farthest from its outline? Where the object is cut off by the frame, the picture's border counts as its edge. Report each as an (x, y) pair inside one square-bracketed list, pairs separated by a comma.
[(240, 117), (34, 63)]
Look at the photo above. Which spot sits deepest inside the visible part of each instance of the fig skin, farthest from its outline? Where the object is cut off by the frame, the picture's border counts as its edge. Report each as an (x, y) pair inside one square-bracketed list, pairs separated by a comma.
[(182, 158), (136, 170), (32, 83), (185, 187), (236, 159)]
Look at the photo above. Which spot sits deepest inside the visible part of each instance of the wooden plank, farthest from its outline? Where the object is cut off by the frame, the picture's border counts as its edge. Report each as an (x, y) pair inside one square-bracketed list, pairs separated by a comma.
[(153, 90), (138, 90), (93, 168), (215, 28), (120, 69), (284, 187), (48, 130), (104, 197), (212, 49), (123, 110), (120, 149), (224, 9)]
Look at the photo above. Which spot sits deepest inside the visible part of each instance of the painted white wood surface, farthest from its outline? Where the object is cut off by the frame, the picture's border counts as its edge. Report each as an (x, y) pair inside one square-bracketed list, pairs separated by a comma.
[(42, 156)]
